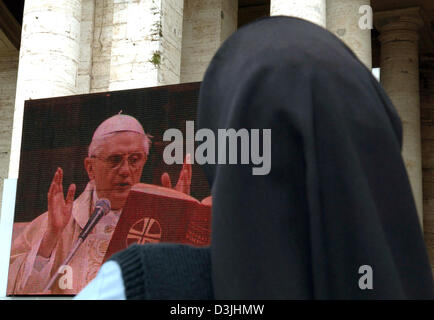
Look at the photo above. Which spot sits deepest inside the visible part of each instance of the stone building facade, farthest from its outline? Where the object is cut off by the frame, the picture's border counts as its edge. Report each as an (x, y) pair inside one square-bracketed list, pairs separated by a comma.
[(68, 47)]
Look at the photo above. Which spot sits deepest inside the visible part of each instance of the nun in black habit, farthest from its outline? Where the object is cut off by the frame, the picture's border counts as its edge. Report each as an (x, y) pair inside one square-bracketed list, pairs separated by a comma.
[(333, 219)]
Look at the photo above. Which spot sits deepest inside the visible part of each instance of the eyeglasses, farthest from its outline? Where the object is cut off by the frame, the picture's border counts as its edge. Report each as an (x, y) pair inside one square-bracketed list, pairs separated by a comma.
[(115, 161)]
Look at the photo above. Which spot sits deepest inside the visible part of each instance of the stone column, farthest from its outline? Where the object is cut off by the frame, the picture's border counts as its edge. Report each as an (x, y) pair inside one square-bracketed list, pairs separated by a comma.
[(86, 41), (101, 46), (8, 81), (206, 25), (343, 18), (48, 61), (146, 43), (400, 78), (312, 10)]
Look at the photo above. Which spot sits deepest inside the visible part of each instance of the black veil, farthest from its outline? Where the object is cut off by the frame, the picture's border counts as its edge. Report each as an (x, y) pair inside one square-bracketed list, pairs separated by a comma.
[(337, 197)]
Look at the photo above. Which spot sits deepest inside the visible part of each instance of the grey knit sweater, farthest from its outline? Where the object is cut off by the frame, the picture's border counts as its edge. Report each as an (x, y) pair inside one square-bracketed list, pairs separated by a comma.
[(166, 272)]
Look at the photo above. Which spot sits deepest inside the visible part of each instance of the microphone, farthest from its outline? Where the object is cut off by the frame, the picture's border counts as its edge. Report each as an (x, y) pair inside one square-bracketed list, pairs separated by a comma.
[(102, 206)]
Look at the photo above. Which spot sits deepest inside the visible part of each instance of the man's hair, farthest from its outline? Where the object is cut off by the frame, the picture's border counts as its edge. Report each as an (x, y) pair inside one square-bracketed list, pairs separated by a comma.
[(97, 143)]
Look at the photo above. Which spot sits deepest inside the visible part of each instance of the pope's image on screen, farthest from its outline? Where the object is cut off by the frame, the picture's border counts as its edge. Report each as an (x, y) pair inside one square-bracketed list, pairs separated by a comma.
[(93, 181)]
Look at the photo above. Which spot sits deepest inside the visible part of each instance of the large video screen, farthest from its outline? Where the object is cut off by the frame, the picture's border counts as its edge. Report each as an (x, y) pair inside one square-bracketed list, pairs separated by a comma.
[(80, 153)]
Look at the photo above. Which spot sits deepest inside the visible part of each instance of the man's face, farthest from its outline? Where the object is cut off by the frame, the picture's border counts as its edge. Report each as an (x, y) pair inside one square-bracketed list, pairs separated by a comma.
[(117, 166)]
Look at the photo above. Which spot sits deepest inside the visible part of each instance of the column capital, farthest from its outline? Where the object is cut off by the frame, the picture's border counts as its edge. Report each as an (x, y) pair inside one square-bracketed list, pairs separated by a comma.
[(401, 24)]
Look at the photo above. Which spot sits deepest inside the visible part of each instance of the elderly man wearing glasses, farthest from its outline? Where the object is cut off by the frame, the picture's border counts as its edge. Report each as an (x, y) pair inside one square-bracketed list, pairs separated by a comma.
[(115, 161)]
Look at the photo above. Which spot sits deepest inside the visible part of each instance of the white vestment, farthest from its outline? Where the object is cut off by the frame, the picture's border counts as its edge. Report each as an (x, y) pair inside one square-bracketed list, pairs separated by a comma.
[(29, 273)]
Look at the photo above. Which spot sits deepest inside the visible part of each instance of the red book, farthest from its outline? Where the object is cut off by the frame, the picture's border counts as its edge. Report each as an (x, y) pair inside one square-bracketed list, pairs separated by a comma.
[(155, 214)]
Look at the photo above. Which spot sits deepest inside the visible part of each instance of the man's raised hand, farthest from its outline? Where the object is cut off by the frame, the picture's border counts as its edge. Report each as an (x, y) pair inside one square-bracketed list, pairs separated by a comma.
[(184, 180), (59, 212)]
